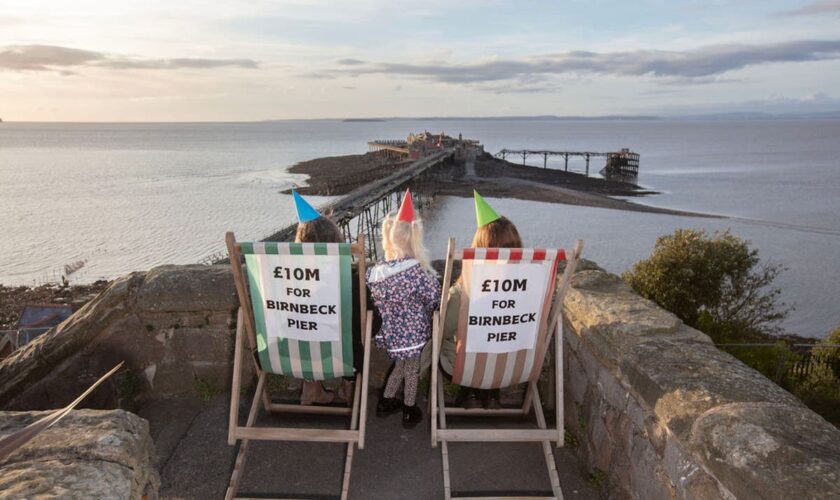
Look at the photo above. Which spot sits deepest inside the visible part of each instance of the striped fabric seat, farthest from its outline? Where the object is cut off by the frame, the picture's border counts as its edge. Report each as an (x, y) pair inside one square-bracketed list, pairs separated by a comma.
[(299, 358), (484, 370)]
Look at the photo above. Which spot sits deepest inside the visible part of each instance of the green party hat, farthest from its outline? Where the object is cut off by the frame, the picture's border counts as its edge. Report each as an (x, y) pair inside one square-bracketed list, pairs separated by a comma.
[(484, 213)]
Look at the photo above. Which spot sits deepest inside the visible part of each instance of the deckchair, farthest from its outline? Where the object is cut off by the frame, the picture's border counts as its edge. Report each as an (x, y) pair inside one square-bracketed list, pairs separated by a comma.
[(510, 308), (312, 284)]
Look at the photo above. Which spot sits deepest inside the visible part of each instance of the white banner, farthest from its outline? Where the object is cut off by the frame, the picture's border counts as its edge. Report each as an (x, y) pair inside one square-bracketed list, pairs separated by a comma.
[(505, 305), (301, 296)]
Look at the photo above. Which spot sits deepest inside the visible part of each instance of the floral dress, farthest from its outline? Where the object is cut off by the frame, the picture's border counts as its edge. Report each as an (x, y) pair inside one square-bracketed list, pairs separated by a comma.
[(406, 296)]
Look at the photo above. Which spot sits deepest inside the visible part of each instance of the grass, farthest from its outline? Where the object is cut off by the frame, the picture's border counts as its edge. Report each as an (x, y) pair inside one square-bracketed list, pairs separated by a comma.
[(205, 388)]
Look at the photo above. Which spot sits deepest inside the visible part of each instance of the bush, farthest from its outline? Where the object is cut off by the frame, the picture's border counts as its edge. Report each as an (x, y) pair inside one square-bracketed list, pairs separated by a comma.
[(691, 273)]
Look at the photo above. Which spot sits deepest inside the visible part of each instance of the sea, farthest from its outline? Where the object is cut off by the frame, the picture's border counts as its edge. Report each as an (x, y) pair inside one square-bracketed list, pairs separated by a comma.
[(107, 199)]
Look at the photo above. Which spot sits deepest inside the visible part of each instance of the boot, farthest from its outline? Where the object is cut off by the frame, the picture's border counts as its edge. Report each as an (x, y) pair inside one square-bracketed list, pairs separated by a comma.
[(347, 391), (313, 393), (387, 406), (411, 416)]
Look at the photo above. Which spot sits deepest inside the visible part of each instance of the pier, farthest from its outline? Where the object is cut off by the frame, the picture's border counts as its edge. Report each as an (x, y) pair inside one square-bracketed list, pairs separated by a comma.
[(624, 163), (361, 211)]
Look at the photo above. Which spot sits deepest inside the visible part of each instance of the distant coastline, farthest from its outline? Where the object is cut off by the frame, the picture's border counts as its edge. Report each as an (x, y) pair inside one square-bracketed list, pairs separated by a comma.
[(363, 120)]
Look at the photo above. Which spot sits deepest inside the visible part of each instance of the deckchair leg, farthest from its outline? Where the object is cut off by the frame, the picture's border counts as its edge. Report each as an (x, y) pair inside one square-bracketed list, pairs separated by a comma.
[(348, 461), (546, 445), (236, 475), (239, 463), (434, 378), (559, 402), (365, 381), (444, 448)]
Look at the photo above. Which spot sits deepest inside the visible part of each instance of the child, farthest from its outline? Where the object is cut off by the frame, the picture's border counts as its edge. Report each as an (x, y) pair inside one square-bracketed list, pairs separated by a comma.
[(406, 292), (315, 228)]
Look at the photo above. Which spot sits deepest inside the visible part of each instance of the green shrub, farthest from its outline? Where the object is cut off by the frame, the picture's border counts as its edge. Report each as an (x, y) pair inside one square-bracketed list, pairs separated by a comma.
[(691, 272)]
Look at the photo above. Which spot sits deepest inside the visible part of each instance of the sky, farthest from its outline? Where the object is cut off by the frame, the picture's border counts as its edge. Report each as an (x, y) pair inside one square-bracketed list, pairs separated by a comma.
[(226, 60)]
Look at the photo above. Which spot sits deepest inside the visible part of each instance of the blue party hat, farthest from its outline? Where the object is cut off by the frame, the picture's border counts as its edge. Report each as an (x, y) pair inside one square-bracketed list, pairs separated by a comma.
[(305, 212)]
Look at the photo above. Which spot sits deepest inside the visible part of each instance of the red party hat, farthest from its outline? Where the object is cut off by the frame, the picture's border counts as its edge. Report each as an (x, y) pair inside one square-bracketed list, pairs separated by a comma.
[(406, 213)]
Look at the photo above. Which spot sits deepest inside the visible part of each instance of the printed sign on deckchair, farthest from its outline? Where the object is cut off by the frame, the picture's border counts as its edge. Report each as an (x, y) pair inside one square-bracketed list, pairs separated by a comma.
[(505, 301), (302, 303), (511, 306), (297, 314)]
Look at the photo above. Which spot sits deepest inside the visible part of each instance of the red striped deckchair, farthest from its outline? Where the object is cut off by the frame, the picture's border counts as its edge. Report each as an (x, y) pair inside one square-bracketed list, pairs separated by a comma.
[(483, 363), (277, 348)]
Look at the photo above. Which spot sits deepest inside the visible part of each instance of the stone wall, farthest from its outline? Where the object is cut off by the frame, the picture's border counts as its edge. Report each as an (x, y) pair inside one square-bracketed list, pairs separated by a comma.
[(661, 413), (173, 326), (88, 454)]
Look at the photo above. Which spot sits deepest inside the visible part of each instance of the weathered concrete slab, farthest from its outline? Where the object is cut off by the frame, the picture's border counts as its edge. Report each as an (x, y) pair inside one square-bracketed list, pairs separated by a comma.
[(88, 454)]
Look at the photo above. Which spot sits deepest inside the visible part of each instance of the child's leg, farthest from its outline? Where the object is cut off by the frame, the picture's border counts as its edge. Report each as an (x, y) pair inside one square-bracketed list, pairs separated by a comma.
[(411, 373), (395, 380)]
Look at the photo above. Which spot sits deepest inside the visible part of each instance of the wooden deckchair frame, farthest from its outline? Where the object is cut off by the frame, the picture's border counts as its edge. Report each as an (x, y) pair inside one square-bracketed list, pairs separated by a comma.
[(245, 327), (439, 411)]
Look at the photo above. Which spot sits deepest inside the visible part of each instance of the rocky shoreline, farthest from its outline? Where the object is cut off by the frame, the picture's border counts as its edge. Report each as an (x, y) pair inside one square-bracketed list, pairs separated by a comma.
[(337, 175), (13, 298)]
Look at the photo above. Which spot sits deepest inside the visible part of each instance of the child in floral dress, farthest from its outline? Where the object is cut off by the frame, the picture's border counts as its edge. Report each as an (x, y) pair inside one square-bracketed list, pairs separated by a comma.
[(406, 292)]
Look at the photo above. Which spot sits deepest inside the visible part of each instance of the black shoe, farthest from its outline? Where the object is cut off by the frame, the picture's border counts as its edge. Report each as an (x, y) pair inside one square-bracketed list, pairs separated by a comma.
[(387, 406), (411, 416), (467, 398), (491, 402)]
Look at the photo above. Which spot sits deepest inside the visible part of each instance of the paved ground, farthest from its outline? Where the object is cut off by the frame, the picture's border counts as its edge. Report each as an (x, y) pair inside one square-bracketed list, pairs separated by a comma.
[(195, 459)]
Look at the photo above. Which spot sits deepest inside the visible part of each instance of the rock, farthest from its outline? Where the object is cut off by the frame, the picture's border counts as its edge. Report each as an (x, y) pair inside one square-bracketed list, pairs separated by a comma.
[(188, 288), (770, 450), (88, 454)]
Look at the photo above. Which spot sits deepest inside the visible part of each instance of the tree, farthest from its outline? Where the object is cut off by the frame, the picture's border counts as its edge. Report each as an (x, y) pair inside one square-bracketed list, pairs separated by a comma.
[(713, 282)]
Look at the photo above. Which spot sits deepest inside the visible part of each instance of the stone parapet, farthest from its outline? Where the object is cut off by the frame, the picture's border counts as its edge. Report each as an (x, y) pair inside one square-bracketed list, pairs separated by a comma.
[(173, 326), (88, 454), (662, 413)]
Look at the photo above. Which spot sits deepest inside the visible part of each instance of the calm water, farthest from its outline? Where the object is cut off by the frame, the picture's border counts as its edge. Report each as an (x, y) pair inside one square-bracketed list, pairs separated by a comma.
[(125, 197)]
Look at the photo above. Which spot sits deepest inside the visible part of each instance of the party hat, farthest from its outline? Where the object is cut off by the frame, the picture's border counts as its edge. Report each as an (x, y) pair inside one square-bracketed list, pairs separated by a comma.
[(406, 213), (484, 213), (305, 212)]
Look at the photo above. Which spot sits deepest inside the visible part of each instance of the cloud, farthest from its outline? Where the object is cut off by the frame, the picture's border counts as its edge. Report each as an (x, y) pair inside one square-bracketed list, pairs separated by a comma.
[(350, 62), (821, 7), (60, 59), (700, 65)]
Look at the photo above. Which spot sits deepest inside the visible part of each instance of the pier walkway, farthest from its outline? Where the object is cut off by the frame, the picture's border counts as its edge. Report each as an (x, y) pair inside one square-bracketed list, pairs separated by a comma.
[(361, 210)]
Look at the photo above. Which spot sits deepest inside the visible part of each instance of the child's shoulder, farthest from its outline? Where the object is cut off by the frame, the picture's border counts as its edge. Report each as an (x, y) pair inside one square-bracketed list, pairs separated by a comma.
[(385, 269)]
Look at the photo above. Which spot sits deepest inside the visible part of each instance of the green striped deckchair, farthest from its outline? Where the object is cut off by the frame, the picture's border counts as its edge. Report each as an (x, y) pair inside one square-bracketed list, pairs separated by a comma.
[(296, 315), (481, 359)]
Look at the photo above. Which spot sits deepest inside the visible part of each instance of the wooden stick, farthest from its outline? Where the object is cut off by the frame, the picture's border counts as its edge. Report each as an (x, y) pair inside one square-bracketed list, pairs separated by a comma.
[(309, 409), (434, 377), (348, 460), (497, 435), (297, 434), (365, 381), (9, 444), (444, 449), (559, 390), (546, 445), (481, 412), (437, 338), (241, 287), (235, 381)]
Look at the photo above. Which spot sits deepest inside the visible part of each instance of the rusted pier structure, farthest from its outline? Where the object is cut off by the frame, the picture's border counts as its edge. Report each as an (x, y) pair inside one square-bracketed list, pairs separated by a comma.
[(624, 163), (390, 147)]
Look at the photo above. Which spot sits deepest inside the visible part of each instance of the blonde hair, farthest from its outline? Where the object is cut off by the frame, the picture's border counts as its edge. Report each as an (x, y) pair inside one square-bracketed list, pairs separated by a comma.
[(404, 239)]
